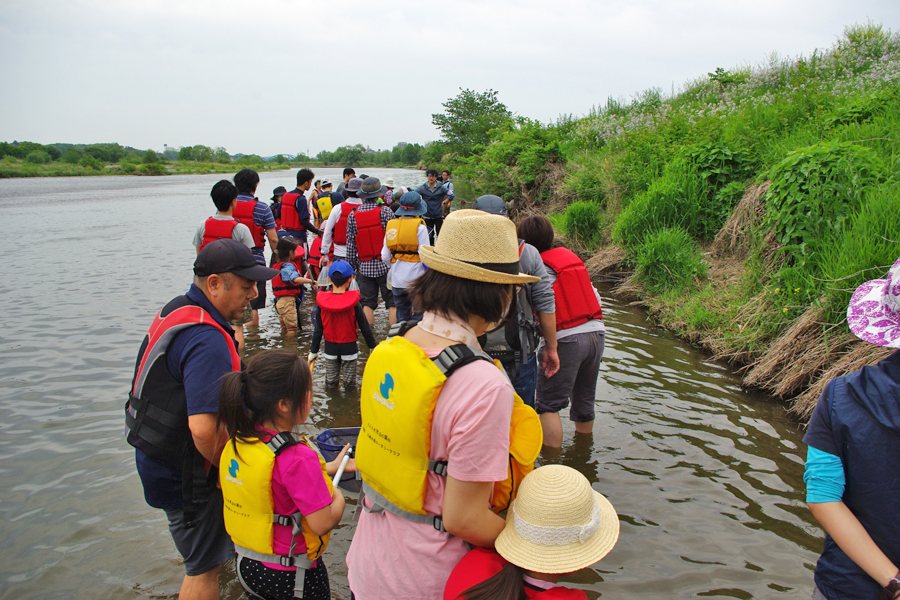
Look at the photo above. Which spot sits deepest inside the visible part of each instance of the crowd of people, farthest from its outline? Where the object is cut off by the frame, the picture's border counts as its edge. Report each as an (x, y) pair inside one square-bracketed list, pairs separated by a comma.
[(495, 330)]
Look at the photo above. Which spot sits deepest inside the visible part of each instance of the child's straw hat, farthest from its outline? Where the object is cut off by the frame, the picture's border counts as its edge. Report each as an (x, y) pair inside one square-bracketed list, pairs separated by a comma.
[(558, 524), (479, 246)]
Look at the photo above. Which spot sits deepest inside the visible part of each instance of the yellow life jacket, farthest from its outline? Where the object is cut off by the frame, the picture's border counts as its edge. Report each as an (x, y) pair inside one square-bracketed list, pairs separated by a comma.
[(323, 203), (401, 236), (246, 479), (397, 406)]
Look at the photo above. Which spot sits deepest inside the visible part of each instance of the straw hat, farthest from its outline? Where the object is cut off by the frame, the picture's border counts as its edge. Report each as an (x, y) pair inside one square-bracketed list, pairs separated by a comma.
[(557, 524), (874, 310), (479, 246)]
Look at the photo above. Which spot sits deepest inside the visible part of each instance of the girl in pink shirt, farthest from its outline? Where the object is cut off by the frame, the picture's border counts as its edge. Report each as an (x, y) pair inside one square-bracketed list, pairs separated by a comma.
[(466, 291), (274, 394)]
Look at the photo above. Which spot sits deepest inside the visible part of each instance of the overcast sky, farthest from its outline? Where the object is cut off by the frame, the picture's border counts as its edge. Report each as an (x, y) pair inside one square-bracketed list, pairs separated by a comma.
[(273, 76)]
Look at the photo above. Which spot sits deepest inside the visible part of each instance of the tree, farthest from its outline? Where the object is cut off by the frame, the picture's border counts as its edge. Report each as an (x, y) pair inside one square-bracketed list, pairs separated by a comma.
[(468, 118), (71, 156), (185, 153), (151, 157), (202, 153), (220, 155)]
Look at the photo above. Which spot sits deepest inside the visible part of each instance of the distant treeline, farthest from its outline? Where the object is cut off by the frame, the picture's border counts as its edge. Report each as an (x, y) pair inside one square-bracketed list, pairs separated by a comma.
[(401, 155)]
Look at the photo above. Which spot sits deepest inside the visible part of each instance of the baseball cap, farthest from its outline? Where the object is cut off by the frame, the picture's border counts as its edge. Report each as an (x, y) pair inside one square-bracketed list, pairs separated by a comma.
[(230, 256), (340, 268)]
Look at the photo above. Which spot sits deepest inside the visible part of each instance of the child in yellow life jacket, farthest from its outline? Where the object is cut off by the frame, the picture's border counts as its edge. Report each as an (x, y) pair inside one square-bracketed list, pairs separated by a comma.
[(337, 317), (280, 505), (288, 287)]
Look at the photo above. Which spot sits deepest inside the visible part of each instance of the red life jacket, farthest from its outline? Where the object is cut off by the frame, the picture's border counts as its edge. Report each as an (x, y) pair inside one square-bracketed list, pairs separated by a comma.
[(315, 250), (338, 316), (243, 212), (575, 299), (217, 229), (481, 564), (369, 235), (280, 287), (340, 228), (290, 218)]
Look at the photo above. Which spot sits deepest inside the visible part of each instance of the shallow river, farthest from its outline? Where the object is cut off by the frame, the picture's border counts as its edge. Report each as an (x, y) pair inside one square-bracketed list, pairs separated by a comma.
[(707, 479)]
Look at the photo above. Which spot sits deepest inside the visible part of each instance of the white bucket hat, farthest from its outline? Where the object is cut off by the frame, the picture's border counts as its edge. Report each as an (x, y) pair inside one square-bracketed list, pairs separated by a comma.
[(558, 523)]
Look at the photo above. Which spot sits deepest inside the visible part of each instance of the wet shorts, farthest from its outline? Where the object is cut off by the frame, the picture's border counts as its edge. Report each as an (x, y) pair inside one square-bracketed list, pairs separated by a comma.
[(206, 545), (576, 380), (260, 301), (368, 291)]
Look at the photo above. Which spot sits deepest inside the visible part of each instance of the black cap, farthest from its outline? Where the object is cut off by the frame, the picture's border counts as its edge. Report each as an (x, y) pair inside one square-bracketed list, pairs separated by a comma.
[(279, 191), (230, 256)]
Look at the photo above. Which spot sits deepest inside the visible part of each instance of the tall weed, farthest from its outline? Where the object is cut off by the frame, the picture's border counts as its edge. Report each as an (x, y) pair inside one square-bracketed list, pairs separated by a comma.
[(668, 259)]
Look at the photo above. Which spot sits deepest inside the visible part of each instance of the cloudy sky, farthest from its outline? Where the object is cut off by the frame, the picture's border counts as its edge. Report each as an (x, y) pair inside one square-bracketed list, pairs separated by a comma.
[(289, 76)]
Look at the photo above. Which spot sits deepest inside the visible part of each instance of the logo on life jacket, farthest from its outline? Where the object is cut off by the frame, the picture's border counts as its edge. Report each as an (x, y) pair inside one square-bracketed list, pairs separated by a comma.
[(233, 468), (392, 234), (385, 387)]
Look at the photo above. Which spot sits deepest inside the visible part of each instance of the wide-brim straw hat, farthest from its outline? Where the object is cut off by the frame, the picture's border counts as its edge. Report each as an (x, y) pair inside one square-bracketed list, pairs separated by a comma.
[(557, 523), (874, 310), (478, 246)]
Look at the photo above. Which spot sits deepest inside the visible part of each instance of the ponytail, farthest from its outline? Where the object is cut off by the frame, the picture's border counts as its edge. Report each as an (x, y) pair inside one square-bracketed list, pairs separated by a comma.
[(249, 397), (507, 584)]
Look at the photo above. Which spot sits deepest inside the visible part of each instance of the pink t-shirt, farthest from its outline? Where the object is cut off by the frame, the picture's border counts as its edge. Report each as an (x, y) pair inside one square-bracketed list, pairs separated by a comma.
[(391, 558), (297, 484)]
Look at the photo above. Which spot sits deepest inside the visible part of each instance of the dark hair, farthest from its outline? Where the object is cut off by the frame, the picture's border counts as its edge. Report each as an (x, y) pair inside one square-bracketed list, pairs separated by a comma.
[(249, 397), (348, 194), (339, 281), (431, 172), (444, 294), (304, 175), (223, 194), (284, 247), (349, 171), (246, 181), (507, 584), (537, 231), (317, 182), (447, 171)]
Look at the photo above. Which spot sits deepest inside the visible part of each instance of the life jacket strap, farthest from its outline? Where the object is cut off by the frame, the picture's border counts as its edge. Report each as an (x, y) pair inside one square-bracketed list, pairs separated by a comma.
[(281, 441), (381, 504), (288, 520), (300, 561), (438, 466)]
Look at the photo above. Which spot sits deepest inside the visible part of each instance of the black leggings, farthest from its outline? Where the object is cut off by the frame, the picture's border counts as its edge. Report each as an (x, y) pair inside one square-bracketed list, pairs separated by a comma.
[(260, 581)]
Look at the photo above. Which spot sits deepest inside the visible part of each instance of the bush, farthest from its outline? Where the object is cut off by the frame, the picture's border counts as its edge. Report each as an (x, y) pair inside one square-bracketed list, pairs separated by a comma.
[(582, 223), (680, 198), (152, 169), (668, 260), (89, 162), (813, 191), (127, 167), (38, 157), (71, 156)]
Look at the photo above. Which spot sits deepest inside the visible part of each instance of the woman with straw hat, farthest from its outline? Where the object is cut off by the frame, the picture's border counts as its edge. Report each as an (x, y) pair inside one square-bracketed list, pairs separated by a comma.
[(557, 525), (852, 480), (455, 441)]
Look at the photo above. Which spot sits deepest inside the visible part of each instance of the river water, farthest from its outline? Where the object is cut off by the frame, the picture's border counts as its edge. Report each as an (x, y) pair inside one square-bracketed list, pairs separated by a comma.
[(707, 479)]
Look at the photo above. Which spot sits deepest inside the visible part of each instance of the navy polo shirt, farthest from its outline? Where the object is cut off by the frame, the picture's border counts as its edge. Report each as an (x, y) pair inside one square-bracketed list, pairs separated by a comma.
[(199, 358)]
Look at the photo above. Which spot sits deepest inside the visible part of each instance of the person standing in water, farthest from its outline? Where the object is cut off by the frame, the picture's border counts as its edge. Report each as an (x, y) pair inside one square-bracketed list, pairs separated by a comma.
[(852, 481)]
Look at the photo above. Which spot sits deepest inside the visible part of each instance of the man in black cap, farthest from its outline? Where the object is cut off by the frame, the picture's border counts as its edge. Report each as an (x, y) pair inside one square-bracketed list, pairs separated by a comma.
[(171, 411)]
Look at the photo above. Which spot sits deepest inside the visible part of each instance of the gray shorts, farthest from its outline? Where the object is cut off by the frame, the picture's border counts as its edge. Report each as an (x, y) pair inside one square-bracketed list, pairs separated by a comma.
[(368, 291), (576, 380), (206, 545)]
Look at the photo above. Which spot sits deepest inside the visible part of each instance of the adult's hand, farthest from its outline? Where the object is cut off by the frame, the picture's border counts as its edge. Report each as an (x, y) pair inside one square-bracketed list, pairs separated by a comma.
[(550, 362)]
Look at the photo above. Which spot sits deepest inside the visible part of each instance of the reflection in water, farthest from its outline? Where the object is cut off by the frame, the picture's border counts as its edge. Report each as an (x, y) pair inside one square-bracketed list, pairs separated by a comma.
[(707, 479)]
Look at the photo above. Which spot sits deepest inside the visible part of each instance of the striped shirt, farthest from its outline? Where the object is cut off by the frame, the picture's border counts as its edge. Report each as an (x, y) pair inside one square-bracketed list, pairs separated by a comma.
[(374, 267), (262, 216)]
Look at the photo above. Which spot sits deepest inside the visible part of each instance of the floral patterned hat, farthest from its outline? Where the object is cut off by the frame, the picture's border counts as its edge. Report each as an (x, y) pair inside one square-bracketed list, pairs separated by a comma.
[(874, 311)]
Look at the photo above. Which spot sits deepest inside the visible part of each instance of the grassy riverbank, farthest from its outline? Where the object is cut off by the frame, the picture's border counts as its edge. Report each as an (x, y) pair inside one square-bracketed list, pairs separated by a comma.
[(13, 167), (743, 210)]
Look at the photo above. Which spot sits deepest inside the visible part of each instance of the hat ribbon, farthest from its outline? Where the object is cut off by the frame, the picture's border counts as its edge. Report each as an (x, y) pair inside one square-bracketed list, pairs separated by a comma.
[(556, 536)]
